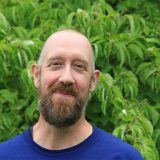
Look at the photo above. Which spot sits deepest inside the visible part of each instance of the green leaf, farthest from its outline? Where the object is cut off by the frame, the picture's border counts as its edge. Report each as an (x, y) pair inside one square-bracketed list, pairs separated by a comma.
[(152, 114), (120, 52), (8, 96), (149, 149), (131, 22), (120, 131), (135, 50), (31, 111), (70, 18)]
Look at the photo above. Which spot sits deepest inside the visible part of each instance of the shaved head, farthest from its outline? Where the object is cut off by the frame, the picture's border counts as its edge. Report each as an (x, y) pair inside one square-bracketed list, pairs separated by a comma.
[(61, 35)]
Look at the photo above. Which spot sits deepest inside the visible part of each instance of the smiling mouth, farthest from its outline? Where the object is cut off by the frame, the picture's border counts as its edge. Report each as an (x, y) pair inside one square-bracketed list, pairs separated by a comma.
[(64, 94)]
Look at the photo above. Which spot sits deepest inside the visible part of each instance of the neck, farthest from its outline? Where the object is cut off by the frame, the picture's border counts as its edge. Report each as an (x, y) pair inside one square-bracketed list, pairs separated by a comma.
[(54, 138)]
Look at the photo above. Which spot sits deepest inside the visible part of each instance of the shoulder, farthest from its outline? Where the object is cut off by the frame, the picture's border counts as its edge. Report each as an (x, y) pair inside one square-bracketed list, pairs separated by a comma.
[(12, 146), (115, 146)]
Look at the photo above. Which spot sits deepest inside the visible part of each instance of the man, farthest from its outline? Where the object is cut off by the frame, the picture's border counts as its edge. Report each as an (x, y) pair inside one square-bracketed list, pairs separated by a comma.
[(64, 77)]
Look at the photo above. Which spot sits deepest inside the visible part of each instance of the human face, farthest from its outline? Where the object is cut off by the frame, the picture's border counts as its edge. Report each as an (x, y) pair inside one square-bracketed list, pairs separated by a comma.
[(65, 79)]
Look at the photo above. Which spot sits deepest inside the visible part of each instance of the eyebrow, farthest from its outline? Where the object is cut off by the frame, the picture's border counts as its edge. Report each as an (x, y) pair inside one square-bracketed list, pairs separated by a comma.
[(52, 59)]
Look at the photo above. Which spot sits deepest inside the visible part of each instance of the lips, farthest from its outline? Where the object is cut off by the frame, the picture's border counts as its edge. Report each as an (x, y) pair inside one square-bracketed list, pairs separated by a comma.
[(64, 93)]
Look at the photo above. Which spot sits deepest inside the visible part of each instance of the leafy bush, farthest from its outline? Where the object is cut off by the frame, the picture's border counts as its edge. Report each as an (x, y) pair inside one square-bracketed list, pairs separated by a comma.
[(125, 37)]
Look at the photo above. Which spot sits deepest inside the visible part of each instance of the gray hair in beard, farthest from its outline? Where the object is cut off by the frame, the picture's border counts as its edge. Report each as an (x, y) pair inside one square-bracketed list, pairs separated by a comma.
[(64, 113)]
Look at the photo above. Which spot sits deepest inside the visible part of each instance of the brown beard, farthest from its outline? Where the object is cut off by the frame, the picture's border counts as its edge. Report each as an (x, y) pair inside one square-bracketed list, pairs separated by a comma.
[(62, 111)]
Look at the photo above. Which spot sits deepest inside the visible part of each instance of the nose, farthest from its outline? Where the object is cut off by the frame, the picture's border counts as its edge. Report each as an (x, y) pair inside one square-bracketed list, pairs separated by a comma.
[(67, 77)]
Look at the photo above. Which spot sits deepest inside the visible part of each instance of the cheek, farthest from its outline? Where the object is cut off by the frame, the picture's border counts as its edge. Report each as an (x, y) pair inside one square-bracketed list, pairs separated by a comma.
[(84, 84), (47, 79)]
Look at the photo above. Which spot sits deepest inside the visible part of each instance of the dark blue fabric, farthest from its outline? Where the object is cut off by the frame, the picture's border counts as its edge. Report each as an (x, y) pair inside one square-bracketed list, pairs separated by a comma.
[(98, 146)]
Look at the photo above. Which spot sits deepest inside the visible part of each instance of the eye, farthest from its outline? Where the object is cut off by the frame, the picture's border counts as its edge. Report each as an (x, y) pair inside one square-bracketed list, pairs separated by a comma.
[(80, 67), (55, 65)]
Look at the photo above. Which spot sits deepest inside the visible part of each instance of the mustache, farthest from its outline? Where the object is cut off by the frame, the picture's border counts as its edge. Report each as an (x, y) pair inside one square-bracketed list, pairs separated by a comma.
[(64, 88)]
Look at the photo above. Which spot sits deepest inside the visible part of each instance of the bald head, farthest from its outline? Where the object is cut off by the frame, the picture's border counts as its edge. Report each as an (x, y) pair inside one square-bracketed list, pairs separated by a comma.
[(70, 38)]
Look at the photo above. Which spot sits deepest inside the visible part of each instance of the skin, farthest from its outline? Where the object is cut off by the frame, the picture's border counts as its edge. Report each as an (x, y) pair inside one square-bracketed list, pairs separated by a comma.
[(67, 59)]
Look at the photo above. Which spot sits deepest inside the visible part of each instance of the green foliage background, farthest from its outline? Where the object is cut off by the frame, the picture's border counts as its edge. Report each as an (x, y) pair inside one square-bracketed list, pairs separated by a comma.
[(126, 38)]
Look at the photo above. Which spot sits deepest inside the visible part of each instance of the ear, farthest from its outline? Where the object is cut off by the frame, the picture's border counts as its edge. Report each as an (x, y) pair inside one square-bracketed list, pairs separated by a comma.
[(35, 74), (95, 77)]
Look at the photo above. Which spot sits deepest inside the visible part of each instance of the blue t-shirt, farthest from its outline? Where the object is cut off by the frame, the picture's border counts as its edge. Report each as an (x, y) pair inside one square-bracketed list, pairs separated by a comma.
[(100, 145)]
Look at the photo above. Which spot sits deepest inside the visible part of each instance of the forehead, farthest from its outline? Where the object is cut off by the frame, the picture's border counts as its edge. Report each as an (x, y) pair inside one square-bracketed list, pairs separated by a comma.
[(68, 45)]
